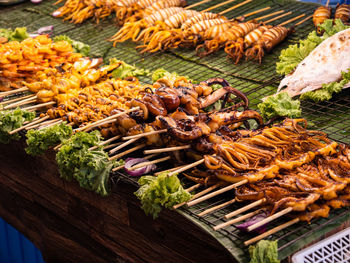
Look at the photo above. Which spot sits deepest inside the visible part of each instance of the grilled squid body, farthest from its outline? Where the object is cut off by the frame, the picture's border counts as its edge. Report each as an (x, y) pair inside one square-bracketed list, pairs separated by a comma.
[(321, 14), (323, 65)]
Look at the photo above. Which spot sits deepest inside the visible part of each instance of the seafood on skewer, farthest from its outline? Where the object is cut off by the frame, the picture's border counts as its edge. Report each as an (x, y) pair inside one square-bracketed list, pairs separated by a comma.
[(320, 15), (343, 13)]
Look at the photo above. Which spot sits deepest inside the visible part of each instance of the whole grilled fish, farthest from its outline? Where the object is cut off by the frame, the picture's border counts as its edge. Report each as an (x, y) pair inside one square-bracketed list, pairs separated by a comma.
[(323, 65)]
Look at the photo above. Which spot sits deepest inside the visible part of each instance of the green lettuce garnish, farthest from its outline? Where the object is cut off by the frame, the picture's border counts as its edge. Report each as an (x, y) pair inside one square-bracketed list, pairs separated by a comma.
[(19, 34), (11, 120), (161, 73), (327, 90), (280, 104), (39, 141), (91, 168), (264, 252), (79, 47), (294, 54), (125, 70), (160, 191)]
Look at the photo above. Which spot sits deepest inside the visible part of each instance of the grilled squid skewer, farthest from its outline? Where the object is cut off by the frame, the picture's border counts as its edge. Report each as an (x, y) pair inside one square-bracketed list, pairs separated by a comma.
[(321, 14), (343, 13)]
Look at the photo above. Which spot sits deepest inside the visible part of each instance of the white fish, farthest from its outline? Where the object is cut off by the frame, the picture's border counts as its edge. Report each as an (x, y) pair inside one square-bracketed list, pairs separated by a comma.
[(323, 65)]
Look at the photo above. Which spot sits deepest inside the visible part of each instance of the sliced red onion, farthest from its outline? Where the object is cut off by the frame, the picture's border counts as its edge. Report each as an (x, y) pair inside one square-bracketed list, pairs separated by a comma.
[(1, 99), (36, 1), (56, 13), (45, 30), (130, 162), (251, 221)]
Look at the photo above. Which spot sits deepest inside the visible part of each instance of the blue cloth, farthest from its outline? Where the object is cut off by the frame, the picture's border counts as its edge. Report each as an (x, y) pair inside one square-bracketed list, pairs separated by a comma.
[(331, 2)]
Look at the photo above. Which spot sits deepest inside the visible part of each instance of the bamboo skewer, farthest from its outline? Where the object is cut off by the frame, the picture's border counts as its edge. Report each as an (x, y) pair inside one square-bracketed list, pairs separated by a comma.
[(6, 93), (277, 17), (236, 220), (186, 167), (122, 146), (302, 21), (218, 5), (39, 105), (140, 165), (291, 20), (270, 218), (106, 142), (118, 156), (217, 207), (143, 134), (234, 7), (41, 124), (110, 146), (169, 149), (169, 170), (197, 4), (100, 124), (271, 231), (245, 208), (192, 188), (255, 12), (22, 102), (50, 124), (222, 190), (94, 124), (122, 166), (268, 15), (327, 3), (17, 99), (199, 194), (29, 124)]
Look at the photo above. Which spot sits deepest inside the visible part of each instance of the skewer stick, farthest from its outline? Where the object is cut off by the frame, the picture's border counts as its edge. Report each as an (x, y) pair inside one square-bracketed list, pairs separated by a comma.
[(271, 231), (118, 156), (140, 165), (268, 15), (17, 99), (122, 166), (222, 190), (39, 105), (186, 167), (108, 118), (207, 190), (192, 188), (122, 146), (169, 170), (291, 20), (236, 220), (6, 93), (57, 147), (302, 21), (277, 17), (254, 12), (218, 5), (41, 124), (29, 124), (217, 207), (111, 145), (270, 218), (143, 134), (100, 124), (197, 4), (327, 3), (169, 149), (50, 124), (22, 102), (110, 140), (245, 208), (234, 7)]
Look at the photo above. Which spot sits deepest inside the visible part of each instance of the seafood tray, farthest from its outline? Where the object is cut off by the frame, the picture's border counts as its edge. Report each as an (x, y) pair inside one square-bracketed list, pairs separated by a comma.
[(257, 81)]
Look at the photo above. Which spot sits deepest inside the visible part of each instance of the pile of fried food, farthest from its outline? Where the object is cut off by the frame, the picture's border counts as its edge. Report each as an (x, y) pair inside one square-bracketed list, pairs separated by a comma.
[(168, 24)]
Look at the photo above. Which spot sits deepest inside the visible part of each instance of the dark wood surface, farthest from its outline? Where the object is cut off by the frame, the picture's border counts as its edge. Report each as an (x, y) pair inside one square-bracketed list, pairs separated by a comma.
[(69, 224)]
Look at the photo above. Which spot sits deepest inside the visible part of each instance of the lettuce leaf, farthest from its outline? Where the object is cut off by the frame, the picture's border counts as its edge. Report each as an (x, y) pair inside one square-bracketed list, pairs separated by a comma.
[(125, 70), (327, 90), (19, 34), (280, 104), (160, 191), (79, 47), (294, 54), (91, 168), (11, 120), (161, 73), (39, 141), (264, 252)]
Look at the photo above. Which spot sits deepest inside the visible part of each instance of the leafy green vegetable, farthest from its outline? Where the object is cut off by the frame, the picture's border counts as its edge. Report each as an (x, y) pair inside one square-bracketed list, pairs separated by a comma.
[(126, 70), (280, 104), (327, 90), (11, 120), (39, 141), (294, 54), (264, 252), (161, 191), (79, 47), (19, 34), (90, 168), (161, 73)]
